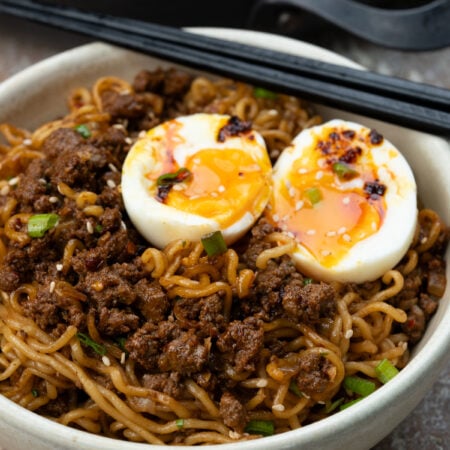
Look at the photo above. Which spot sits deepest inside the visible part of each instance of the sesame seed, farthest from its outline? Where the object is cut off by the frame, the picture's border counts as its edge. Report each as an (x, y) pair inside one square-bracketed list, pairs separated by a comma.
[(111, 183), (374, 226), (346, 200), (59, 267), (330, 233), (302, 171), (221, 188), (322, 163), (196, 161), (272, 112), (234, 435), (106, 361), (51, 288), (342, 230), (325, 253), (13, 181), (119, 126), (278, 407), (276, 217), (5, 190), (53, 199), (123, 225), (321, 402), (299, 205), (423, 240), (89, 227), (123, 357), (292, 192), (128, 140), (26, 142), (311, 232), (113, 167), (214, 194), (262, 383), (288, 184), (348, 334), (319, 175), (142, 134), (178, 187), (404, 345), (347, 237)]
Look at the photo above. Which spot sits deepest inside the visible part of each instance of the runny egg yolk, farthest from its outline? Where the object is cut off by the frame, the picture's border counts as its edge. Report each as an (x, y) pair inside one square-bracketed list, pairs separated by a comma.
[(348, 197)]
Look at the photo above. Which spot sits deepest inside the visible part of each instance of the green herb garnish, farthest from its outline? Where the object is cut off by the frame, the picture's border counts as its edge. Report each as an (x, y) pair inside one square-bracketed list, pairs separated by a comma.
[(39, 224), (264, 427), (180, 423), (260, 92), (34, 393), (88, 342), (332, 406), (314, 195), (168, 179), (385, 371), (307, 281), (98, 228), (344, 171), (83, 130), (350, 403), (214, 243), (294, 389), (359, 385)]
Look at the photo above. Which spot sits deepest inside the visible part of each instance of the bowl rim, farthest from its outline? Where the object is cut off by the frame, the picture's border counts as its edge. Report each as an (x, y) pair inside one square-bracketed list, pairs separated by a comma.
[(373, 405)]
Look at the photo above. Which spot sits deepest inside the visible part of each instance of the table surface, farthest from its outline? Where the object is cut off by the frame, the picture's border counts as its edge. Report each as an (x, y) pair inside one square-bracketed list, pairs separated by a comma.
[(427, 427)]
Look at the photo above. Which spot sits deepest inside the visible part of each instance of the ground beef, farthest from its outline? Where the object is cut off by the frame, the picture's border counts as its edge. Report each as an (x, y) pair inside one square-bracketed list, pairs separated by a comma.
[(168, 383), (414, 327), (116, 322), (315, 373), (152, 302), (233, 412)]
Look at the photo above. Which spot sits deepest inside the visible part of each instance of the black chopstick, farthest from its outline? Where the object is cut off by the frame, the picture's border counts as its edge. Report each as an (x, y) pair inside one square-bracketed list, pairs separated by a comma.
[(208, 54)]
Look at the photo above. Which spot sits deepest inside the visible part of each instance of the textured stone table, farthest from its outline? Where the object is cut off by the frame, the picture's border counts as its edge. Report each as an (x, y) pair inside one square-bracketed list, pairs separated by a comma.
[(428, 427)]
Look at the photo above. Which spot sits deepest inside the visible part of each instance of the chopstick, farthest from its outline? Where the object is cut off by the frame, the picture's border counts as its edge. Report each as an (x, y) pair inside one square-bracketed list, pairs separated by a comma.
[(414, 105)]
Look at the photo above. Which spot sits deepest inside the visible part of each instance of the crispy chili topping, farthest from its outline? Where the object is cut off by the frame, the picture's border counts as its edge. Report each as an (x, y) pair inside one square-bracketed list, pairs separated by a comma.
[(166, 181), (234, 127), (375, 137), (324, 147), (374, 189), (351, 155), (349, 134), (334, 136)]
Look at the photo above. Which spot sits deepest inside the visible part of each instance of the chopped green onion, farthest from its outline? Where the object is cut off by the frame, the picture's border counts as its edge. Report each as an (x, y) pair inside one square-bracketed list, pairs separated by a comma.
[(294, 388), (167, 179), (307, 281), (35, 393), (39, 224), (180, 423), (83, 130), (359, 385), (260, 92), (385, 371), (332, 406), (121, 343), (98, 228), (264, 427), (343, 171), (314, 195), (214, 243), (88, 342), (350, 403)]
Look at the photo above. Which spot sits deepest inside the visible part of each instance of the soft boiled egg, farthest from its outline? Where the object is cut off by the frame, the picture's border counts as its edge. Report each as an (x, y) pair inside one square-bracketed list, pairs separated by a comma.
[(348, 197), (194, 175)]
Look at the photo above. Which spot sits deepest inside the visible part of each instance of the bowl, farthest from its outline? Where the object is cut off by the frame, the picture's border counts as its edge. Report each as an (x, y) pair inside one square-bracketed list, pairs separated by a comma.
[(38, 94)]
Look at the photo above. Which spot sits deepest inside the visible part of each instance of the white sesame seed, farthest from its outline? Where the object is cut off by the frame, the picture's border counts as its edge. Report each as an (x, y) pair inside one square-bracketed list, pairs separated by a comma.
[(214, 194), (142, 134), (123, 357), (330, 233), (288, 184), (59, 267), (276, 217), (342, 230), (292, 192), (311, 232), (278, 407), (347, 238), (221, 188), (42, 181), (234, 434), (346, 200), (119, 126), (106, 361), (423, 240), (299, 205), (53, 199), (13, 181), (404, 345), (89, 227), (128, 140), (26, 142), (51, 288), (325, 253), (111, 183), (322, 162), (302, 170), (178, 187), (321, 402), (262, 383), (123, 225), (113, 167), (272, 112), (374, 226), (319, 175), (348, 334), (5, 190), (196, 161)]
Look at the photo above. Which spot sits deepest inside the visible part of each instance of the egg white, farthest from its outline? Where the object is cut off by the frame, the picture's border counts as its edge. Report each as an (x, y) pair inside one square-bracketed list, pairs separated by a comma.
[(161, 223), (372, 256)]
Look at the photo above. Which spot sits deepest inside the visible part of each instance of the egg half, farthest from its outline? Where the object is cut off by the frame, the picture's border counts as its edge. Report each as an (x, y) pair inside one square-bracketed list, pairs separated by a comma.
[(194, 175), (348, 197)]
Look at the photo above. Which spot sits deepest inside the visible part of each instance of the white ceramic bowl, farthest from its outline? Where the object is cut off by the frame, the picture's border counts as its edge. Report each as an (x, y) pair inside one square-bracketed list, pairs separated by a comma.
[(38, 94)]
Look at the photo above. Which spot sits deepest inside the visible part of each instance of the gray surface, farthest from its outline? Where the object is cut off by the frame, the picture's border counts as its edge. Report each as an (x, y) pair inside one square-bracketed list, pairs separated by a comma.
[(427, 428)]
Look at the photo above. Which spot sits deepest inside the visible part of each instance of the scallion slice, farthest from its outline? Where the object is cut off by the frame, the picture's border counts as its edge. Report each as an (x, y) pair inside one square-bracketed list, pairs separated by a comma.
[(260, 92), (171, 178), (385, 371), (83, 130), (264, 427), (88, 342), (180, 423), (307, 281), (214, 243), (332, 406), (294, 388), (344, 171), (34, 393), (39, 224), (350, 403), (359, 385), (314, 195)]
